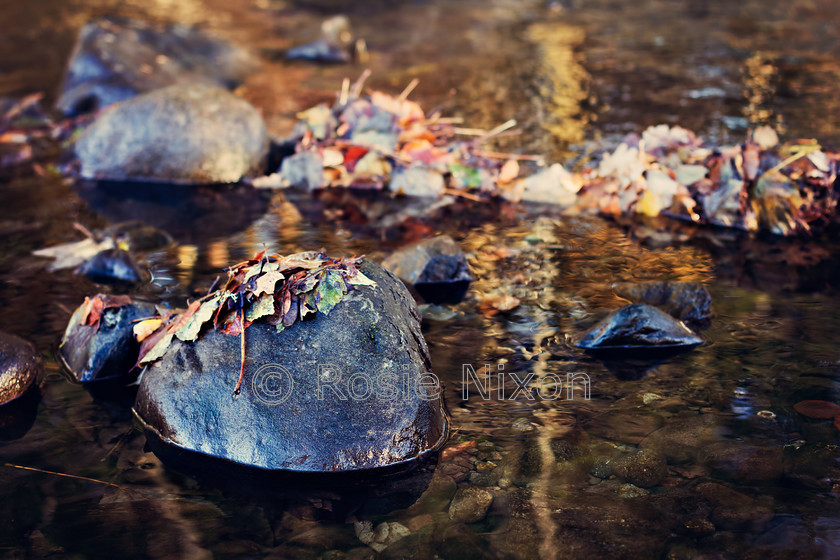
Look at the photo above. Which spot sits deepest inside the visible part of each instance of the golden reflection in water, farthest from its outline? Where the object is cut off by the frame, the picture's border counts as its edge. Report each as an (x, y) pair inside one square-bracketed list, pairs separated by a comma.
[(566, 82), (187, 257), (218, 255), (760, 76)]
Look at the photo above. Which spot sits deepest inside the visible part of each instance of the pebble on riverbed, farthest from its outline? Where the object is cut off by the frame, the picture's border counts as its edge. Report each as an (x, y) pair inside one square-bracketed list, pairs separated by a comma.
[(19, 367), (115, 59), (470, 504), (436, 267)]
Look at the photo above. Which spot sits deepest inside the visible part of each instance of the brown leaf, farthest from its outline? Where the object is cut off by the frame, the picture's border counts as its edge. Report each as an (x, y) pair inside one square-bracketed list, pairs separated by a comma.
[(817, 409), (267, 282)]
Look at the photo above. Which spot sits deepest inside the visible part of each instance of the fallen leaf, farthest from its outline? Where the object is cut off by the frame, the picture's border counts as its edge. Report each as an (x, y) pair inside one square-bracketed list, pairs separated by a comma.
[(267, 282), (190, 329), (143, 329), (817, 409)]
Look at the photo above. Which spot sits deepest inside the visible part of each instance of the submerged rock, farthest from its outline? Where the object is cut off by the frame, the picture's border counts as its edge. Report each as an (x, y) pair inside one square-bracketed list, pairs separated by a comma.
[(111, 265), (470, 504), (637, 327), (337, 392), (116, 60), (106, 350), (436, 267), (687, 301), (644, 468), (19, 367), (190, 134)]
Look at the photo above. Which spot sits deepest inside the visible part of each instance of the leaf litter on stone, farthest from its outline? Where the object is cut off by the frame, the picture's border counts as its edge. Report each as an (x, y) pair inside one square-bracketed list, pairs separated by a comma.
[(274, 288)]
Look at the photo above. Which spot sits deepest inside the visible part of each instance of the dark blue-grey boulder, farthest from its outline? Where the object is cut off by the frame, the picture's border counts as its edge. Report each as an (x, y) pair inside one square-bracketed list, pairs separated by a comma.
[(687, 301), (639, 326), (105, 351), (19, 367), (116, 59), (177, 134), (437, 268), (296, 410)]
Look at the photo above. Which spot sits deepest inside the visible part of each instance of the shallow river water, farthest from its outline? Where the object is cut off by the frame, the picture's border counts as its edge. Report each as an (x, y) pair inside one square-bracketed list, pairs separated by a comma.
[(747, 477)]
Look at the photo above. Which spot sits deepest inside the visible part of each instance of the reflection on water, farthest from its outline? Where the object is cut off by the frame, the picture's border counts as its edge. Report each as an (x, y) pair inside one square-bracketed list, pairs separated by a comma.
[(744, 474)]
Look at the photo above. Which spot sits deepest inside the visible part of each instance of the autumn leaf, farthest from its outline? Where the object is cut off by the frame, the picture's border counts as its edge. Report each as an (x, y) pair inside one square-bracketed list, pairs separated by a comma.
[(188, 331), (143, 329), (817, 409), (267, 282)]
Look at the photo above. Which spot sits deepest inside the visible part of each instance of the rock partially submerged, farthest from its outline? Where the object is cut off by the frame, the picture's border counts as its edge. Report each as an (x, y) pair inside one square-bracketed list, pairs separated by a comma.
[(178, 134), (639, 327), (315, 397), (114, 60), (687, 301), (19, 367), (98, 343), (436, 267)]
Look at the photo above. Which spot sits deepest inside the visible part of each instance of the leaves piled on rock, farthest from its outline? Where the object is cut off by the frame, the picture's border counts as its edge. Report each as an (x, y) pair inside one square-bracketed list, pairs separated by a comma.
[(278, 289), (379, 140), (758, 185)]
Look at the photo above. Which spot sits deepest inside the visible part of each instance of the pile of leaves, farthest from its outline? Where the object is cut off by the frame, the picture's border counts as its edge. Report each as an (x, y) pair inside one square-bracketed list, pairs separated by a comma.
[(379, 140), (278, 289), (758, 185), (26, 130)]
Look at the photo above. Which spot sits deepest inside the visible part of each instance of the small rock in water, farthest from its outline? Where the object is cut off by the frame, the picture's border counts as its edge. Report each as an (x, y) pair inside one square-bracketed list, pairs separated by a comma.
[(333, 45), (644, 468), (106, 349), (683, 439), (383, 535), (632, 491), (436, 267), (470, 504), (639, 326), (114, 60), (19, 367), (179, 134), (111, 265), (687, 301)]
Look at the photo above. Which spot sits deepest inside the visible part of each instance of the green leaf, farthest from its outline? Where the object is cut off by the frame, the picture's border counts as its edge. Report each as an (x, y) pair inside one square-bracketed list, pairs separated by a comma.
[(158, 350), (465, 177), (260, 308), (330, 291), (189, 331)]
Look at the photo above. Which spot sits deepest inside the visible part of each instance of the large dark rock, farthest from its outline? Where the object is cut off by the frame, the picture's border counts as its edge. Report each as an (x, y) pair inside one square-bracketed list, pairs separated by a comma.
[(106, 351), (186, 134), (639, 327), (19, 367), (436, 267), (687, 301), (116, 60), (288, 416)]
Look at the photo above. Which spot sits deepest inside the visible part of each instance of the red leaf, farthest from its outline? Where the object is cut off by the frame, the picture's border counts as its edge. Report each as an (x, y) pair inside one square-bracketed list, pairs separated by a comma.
[(817, 409)]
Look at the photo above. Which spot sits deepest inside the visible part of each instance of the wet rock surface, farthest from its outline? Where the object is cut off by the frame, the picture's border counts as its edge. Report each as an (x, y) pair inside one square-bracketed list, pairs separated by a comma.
[(111, 266), (290, 414), (19, 367), (644, 468), (116, 59), (639, 327), (189, 134), (683, 440), (105, 351), (436, 267), (687, 301), (470, 504)]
